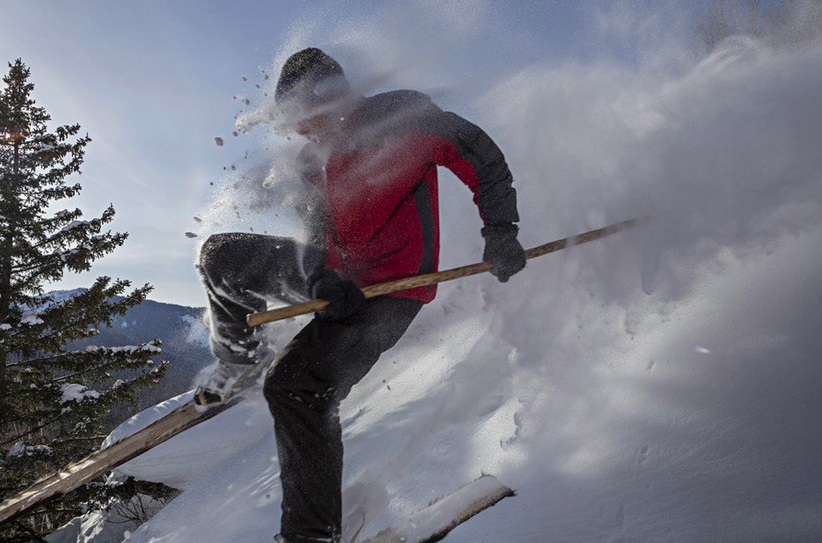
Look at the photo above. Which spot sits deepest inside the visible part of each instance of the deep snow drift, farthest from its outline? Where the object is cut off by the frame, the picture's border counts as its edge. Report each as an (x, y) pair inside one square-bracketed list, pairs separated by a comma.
[(702, 426), (658, 386)]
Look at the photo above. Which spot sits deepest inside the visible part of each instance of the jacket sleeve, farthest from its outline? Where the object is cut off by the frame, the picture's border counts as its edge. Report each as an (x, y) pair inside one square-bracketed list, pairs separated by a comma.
[(475, 159)]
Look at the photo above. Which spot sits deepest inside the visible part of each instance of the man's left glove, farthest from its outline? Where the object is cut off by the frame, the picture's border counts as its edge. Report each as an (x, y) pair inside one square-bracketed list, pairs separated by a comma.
[(503, 250), (343, 295)]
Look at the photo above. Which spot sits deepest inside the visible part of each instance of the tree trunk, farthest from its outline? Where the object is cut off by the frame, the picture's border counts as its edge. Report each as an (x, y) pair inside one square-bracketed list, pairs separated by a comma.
[(7, 193)]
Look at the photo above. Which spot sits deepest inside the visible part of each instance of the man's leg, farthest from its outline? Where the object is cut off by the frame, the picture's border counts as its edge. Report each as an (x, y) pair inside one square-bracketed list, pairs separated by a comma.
[(240, 272), (304, 388)]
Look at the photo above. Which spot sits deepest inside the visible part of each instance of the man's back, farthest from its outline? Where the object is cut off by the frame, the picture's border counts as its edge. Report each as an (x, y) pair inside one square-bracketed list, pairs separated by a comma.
[(379, 186)]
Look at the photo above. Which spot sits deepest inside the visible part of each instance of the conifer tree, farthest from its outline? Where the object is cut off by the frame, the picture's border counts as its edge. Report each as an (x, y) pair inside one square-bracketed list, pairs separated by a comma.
[(53, 399)]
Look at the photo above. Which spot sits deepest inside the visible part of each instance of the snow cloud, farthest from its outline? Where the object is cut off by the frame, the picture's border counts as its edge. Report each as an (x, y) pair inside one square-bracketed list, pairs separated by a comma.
[(647, 359)]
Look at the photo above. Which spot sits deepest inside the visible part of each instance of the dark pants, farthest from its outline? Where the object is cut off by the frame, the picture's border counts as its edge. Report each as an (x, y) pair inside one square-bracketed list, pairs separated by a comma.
[(240, 273), (310, 376)]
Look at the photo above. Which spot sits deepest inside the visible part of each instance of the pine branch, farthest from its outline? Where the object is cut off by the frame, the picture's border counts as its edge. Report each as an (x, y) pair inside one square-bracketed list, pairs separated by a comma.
[(89, 370), (55, 333), (85, 438), (44, 359), (35, 429), (31, 532)]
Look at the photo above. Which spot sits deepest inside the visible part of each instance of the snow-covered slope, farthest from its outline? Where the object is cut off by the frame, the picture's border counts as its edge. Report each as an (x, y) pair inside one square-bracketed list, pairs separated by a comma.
[(702, 426), (658, 386)]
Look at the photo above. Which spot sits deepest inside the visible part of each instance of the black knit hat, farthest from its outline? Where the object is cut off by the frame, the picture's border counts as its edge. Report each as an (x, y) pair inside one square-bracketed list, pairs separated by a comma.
[(311, 78)]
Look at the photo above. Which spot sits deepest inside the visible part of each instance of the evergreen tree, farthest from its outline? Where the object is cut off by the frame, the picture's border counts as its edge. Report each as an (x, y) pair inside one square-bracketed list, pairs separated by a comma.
[(53, 399)]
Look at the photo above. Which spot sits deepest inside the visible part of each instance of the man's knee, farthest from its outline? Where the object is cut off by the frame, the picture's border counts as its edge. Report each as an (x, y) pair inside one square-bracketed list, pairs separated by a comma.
[(289, 381), (214, 253), (273, 390)]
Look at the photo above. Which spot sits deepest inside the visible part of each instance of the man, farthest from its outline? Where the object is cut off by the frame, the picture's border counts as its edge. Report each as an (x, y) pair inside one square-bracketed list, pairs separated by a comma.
[(372, 216)]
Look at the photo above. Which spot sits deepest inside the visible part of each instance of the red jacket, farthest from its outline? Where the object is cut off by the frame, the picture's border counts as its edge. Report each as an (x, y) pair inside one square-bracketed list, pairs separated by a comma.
[(376, 198)]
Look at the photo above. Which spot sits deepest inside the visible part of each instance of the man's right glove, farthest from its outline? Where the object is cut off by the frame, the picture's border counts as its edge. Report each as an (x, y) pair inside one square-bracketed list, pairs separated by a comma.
[(503, 250), (343, 295)]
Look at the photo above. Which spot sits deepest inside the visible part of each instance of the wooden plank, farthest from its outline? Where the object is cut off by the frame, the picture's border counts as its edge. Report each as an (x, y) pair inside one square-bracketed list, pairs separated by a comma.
[(435, 521), (98, 463)]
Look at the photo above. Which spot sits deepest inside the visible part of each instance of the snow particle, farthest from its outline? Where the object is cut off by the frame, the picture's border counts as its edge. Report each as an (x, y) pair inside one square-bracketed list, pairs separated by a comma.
[(72, 392)]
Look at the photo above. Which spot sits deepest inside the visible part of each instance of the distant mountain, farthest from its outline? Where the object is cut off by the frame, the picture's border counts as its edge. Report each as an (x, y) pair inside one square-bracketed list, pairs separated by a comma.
[(181, 329)]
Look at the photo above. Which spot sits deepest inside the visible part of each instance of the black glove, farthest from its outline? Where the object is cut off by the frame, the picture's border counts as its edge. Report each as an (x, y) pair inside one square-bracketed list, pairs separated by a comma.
[(343, 295), (503, 250)]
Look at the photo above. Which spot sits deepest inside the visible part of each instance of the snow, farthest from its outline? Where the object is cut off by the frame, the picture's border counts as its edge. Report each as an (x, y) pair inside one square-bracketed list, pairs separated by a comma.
[(102, 526), (441, 515), (41, 147), (65, 254), (72, 392), (659, 386), (144, 418), (196, 330), (694, 447), (130, 349), (20, 448), (73, 224), (30, 318), (60, 296), (5, 327), (179, 464)]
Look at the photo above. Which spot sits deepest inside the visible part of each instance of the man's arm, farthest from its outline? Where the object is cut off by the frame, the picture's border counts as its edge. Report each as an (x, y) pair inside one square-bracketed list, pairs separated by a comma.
[(466, 150), (475, 159)]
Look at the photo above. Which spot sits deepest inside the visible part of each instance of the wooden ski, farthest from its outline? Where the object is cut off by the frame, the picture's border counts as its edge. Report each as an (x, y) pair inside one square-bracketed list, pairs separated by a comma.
[(98, 463), (435, 521)]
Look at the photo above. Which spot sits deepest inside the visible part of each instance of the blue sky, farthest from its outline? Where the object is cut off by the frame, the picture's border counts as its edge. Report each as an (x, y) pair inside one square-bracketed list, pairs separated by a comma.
[(153, 82)]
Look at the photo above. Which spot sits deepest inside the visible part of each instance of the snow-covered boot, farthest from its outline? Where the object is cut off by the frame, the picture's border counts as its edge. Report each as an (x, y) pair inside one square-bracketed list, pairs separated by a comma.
[(215, 382), (213, 387)]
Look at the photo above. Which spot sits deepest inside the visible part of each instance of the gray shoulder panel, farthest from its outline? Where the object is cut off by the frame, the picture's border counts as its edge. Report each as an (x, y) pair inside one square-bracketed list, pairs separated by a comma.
[(496, 195), (391, 113)]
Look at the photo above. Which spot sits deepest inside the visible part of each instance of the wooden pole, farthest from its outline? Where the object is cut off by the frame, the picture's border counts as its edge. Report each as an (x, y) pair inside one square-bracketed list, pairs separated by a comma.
[(257, 319)]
